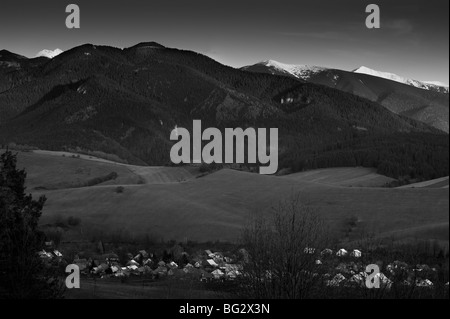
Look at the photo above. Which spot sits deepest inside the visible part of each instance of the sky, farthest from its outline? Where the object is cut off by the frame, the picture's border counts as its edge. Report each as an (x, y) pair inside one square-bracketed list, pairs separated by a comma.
[(413, 40)]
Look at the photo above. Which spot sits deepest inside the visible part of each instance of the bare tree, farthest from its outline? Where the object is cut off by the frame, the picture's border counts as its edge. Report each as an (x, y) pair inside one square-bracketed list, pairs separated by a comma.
[(281, 252)]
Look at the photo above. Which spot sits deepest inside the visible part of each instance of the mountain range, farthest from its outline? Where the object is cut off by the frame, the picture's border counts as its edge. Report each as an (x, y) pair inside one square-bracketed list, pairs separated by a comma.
[(123, 103), (424, 102)]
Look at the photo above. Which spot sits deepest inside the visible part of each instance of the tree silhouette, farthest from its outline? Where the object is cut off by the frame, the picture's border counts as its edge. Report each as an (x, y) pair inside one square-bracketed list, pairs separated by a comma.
[(23, 275)]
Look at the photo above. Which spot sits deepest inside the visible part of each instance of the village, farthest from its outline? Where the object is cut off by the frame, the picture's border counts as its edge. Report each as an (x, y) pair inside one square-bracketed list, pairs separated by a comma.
[(339, 268)]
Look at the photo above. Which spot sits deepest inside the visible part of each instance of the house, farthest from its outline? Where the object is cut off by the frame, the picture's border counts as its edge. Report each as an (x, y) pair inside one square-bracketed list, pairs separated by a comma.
[(229, 268), (385, 282), (309, 251), (45, 255), (173, 265), (57, 253), (114, 269), (318, 262), (359, 279), (218, 256), (132, 263), (100, 269), (133, 267), (218, 274), (144, 254), (232, 275), (326, 252), (356, 253), (212, 263), (424, 283), (205, 276), (336, 281), (147, 262), (342, 253)]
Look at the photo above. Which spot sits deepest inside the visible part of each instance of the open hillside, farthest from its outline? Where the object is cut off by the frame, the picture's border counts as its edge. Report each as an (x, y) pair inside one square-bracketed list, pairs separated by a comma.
[(170, 203), (124, 104), (216, 207)]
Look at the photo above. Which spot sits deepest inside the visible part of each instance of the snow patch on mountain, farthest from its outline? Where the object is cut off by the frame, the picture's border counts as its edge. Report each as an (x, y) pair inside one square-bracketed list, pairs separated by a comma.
[(437, 83), (49, 53), (304, 72), (432, 86)]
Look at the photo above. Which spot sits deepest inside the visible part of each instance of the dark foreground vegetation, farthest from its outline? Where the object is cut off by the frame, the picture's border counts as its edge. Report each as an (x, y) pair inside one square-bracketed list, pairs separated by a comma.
[(23, 275)]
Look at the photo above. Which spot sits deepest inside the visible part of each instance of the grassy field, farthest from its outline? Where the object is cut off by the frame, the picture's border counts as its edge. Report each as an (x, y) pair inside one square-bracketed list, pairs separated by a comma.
[(215, 207), (170, 203), (435, 183), (139, 288), (347, 176), (61, 170)]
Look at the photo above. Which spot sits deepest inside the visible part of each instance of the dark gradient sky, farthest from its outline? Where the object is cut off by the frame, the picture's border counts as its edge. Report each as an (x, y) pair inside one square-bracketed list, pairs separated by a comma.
[(413, 40)]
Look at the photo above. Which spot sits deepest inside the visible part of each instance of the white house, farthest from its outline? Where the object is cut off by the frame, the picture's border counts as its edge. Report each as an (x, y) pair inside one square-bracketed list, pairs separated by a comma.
[(212, 263), (217, 274), (342, 253)]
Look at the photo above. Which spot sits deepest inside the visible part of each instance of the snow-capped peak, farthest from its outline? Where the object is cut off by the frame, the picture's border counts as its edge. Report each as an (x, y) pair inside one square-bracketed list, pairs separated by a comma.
[(433, 86), (299, 71), (385, 75), (437, 83), (49, 53)]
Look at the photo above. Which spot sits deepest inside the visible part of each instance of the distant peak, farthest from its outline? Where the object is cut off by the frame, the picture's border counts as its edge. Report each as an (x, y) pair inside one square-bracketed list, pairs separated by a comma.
[(10, 54), (153, 45), (362, 69), (49, 53)]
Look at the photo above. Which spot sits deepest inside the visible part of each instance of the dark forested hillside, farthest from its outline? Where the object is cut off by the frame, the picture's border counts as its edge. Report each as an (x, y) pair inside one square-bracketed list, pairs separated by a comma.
[(126, 102)]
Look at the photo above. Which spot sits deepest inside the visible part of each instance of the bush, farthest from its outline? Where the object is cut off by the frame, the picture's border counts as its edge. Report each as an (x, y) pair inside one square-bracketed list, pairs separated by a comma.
[(120, 189), (102, 179), (55, 235), (73, 221)]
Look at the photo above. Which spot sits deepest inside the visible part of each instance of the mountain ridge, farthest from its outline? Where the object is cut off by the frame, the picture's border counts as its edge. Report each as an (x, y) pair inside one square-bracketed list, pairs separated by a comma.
[(394, 77), (427, 106), (125, 102)]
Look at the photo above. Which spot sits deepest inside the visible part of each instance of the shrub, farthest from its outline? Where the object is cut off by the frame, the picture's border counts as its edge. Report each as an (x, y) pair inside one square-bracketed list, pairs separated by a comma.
[(73, 221), (120, 189)]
